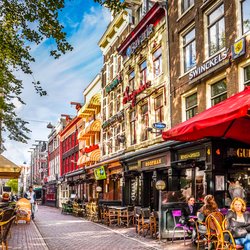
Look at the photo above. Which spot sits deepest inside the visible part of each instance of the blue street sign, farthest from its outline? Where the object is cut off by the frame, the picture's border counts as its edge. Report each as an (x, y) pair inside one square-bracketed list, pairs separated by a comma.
[(159, 125)]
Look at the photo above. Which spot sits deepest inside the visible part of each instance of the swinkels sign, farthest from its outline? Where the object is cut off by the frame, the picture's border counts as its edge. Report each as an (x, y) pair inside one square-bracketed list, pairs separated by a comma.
[(208, 64)]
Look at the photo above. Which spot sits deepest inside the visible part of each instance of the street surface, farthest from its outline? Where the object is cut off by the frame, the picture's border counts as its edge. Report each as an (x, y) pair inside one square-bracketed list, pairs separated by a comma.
[(53, 230)]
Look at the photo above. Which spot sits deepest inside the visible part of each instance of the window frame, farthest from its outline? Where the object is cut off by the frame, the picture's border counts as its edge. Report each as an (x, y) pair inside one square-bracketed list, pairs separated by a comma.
[(241, 19), (132, 126), (156, 59), (218, 95), (159, 109), (144, 122), (211, 24), (188, 6), (191, 108)]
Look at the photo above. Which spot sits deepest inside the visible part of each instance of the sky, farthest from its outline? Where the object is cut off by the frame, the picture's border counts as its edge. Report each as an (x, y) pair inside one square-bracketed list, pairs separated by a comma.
[(64, 79)]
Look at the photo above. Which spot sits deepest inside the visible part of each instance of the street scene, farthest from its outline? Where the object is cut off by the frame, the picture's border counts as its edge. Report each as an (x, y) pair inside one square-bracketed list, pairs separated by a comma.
[(125, 124)]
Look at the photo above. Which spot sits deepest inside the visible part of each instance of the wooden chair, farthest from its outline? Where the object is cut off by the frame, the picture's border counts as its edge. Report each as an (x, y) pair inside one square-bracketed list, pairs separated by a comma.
[(154, 224), (145, 221), (112, 216), (137, 219), (104, 214), (223, 242), (206, 233), (126, 216), (7, 218)]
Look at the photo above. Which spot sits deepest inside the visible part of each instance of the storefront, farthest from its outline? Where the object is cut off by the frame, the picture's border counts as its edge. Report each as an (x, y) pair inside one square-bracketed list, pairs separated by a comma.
[(214, 151), (142, 169)]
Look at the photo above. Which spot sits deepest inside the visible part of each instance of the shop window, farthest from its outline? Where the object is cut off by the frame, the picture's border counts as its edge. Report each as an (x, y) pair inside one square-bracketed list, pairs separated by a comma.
[(247, 75), (157, 62), (216, 30), (191, 106), (132, 119), (186, 4), (218, 92), (186, 182), (143, 73), (245, 16), (189, 50), (132, 80), (144, 122), (158, 105)]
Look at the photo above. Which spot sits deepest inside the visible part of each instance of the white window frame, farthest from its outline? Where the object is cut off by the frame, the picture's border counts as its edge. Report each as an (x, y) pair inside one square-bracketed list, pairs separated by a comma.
[(206, 41), (182, 35), (241, 74), (208, 88), (183, 102)]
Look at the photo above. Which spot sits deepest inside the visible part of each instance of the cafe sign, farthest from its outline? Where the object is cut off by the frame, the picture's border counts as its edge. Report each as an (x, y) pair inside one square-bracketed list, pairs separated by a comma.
[(190, 155), (100, 173), (156, 162), (239, 152), (208, 64)]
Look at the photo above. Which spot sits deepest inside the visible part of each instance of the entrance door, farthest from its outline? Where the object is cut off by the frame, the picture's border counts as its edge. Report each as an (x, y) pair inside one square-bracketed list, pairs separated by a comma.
[(238, 182), (148, 195)]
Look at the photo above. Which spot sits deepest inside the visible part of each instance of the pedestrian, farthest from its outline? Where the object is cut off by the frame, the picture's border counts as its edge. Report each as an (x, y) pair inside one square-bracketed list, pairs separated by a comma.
[(239, 222), (31, 196)]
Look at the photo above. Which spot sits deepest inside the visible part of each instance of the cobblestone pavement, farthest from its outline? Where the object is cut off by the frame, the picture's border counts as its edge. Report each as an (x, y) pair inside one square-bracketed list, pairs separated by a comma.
[(53, 230)]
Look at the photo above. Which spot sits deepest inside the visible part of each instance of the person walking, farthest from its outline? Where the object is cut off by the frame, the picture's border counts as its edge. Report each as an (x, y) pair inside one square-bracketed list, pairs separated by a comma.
[(31, 196)]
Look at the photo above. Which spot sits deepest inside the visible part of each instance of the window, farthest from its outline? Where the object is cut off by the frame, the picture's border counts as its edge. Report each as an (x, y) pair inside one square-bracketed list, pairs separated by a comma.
[(118, 100), (216, 30), (157, 62), (111, 105), (191, 106), (132, 80), (158, 105), (132, 119), (185, 4), (218, 92), (245, 16), (117, 133), (189, 50), (144, 122), (143, 73), (247, 75)]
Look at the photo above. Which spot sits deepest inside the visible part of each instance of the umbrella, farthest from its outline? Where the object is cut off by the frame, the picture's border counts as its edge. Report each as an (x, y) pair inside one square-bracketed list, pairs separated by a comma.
[(228, 119), (8, 169)]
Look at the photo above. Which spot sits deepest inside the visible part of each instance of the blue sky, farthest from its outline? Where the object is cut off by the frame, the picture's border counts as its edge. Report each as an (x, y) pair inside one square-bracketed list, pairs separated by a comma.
[(63, 79)]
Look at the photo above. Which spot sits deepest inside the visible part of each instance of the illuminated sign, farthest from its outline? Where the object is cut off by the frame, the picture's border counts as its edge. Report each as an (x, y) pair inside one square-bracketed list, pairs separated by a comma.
[(190, 155)]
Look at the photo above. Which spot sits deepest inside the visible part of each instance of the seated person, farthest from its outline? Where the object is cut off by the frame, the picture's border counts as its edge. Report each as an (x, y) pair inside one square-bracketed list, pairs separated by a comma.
[(239, 222), (190, 209), (209, 207)]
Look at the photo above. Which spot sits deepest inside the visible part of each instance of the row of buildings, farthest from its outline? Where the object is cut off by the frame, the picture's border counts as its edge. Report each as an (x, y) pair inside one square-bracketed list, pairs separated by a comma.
[(163, 63)]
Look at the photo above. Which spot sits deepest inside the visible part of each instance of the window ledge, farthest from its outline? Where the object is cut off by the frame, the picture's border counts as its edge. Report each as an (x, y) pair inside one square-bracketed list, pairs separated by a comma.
[(184, 13), (187, 72), (215, 54)]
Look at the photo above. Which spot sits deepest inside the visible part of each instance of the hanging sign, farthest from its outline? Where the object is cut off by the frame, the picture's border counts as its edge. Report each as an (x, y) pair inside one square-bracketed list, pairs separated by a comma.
[(239, 48)]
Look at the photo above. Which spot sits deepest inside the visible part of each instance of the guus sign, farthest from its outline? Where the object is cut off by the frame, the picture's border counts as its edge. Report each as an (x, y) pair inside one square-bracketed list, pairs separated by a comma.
[(159, 125)]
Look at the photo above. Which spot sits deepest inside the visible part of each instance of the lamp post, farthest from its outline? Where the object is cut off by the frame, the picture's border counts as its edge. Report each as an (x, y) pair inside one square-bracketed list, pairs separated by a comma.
[(160, 185)]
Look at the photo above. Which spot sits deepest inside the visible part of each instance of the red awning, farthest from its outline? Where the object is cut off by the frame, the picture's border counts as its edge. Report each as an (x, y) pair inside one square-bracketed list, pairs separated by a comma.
[(228, 119)]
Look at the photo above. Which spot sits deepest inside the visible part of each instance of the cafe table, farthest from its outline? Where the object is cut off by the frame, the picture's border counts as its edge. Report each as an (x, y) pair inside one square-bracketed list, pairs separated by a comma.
[(114, 213)]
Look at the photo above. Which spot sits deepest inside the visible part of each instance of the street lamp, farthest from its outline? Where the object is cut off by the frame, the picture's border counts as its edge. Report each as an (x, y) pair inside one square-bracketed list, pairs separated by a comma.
[(160, 185)]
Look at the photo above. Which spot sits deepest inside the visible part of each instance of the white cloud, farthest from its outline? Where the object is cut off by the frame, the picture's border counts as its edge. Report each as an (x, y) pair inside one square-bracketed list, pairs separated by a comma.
[(64, 79)]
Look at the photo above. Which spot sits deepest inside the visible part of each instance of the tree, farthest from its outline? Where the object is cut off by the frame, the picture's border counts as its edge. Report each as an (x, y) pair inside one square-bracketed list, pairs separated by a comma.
[(13, 183), (22, 23)]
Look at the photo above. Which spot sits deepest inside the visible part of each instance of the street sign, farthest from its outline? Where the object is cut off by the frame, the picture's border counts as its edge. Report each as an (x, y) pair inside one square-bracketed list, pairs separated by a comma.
[(159, 125)]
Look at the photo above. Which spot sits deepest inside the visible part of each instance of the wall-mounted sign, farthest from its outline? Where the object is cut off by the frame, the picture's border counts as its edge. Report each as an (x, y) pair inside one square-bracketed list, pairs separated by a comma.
[(159, 125), (117, 117), (113, 84), (239, 48), (100, 173), (239, 152), (208, 64), (140, 39), (132, 96), (156, 162), (191, 155), (134, 167)]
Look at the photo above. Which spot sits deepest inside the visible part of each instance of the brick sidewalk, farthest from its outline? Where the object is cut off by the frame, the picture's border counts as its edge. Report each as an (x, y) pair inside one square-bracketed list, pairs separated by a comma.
[(53, 230)]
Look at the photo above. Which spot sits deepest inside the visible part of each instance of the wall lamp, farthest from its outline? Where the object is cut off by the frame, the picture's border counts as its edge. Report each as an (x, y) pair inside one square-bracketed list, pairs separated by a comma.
[(150, 130)]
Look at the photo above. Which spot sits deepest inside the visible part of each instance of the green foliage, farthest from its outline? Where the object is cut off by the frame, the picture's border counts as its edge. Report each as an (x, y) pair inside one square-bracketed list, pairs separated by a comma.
[(23, 23), (13, 183), (114, 5)]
